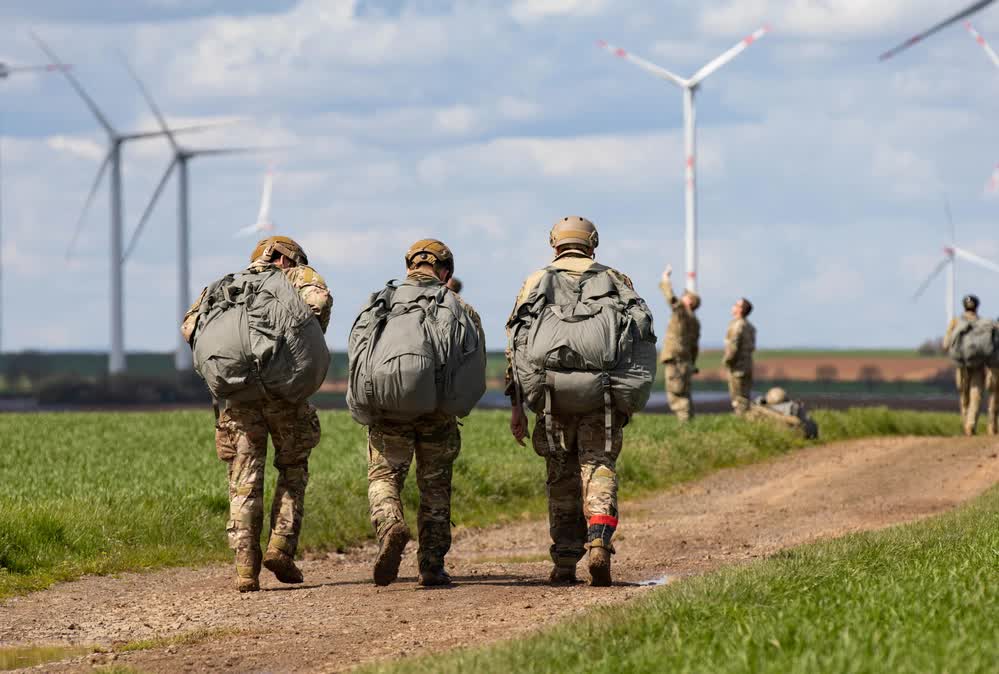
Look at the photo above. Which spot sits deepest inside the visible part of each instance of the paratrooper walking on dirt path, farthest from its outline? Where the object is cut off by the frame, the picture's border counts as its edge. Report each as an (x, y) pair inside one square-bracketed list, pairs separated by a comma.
[(963, 344)]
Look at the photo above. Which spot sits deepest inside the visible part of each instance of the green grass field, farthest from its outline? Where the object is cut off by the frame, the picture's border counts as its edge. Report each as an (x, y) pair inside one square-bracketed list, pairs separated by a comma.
[(102, 493), (918, 598)]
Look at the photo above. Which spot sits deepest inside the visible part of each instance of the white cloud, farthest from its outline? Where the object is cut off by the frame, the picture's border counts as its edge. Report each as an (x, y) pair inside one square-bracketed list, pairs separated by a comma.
[(84, 148), (527, 11)]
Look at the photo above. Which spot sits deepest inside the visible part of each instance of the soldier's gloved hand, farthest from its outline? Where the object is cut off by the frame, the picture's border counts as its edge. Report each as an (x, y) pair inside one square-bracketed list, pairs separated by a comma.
[(518, 424), (667, 273)]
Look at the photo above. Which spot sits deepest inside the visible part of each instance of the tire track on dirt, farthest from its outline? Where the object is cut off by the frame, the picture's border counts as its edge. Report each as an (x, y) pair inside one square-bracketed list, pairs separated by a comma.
[(339, 619)]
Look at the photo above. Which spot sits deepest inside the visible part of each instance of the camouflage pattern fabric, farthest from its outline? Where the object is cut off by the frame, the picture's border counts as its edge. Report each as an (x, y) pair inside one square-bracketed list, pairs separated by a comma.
[(789, 415), (582, 483), (970, 386), (683, 333), (573, 262), (241, 441), (310, 284), (435, 442), (740, 343), (679, 374), (992, 386)]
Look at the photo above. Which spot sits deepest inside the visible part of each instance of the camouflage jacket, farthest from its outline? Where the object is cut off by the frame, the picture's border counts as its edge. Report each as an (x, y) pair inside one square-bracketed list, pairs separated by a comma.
[(683, 334), (740, 343), (949, 335), (572, 262), (310, 284)]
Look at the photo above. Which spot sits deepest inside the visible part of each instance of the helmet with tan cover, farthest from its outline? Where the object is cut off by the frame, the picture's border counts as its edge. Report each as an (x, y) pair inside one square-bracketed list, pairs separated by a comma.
[(282, 245), (430, 251), (776, 396), (574, 230)]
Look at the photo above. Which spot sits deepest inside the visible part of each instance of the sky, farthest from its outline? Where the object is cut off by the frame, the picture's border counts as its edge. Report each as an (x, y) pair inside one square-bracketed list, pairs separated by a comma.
[(823, 173)]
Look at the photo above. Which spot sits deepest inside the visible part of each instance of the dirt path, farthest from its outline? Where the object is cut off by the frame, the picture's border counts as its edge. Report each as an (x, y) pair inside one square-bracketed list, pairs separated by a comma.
[(339, 619)]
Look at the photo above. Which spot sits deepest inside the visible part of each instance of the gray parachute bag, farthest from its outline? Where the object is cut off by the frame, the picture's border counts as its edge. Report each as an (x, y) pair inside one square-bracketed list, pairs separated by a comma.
[(414, 350), (579, 345), (973, 343), (257, 339)]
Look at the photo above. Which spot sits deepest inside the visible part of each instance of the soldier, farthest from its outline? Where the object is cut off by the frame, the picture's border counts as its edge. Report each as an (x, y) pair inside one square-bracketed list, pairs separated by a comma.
[(680, 347), (582, 479), (435, 442), (970, 380), (241, 439), (776, 408), (740, 343)]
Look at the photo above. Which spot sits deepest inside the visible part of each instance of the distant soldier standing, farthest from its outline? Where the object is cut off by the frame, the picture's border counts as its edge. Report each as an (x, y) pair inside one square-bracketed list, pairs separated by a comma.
[(740, 343), (680, 348), (243, 425), (395, 347), (569, 327), (968, 341)]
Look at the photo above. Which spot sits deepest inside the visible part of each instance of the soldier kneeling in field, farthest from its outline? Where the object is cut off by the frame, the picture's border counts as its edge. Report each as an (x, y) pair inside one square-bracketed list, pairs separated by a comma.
[(776, 408), (258, 341)]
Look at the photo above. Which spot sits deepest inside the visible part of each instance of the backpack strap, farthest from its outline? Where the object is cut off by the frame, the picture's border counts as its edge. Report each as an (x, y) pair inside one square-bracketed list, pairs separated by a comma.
[(608, 413), (549, 419)]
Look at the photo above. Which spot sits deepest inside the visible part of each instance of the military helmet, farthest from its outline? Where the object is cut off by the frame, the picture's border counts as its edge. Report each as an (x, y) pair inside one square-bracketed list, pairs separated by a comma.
[(776, 396), (429, 251), (279, 244), (574, 229), (970, 302)]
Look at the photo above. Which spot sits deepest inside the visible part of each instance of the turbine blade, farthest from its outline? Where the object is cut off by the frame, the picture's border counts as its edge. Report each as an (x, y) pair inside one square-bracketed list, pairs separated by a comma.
[(152, 104), (929, 279), (64, 69), (193, 128), (993, 185), (35, 69), (86, 205), (713, 66), (985, 45), (642, 63), (264, 215), (974, 259), (963, 14), (149, 210)]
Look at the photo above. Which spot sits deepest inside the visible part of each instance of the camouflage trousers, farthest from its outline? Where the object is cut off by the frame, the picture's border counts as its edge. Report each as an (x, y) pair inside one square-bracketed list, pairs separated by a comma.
[(740, 387), (678, 376), (992, 386), (970, 386), (241, 441), (391, 448), (582, 482)]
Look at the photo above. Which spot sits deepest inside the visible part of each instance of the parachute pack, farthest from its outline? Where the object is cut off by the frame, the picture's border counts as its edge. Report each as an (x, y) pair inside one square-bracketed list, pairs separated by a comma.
[(257, 339), (583, 344), (973, 342), (791, 415), (414, 350)]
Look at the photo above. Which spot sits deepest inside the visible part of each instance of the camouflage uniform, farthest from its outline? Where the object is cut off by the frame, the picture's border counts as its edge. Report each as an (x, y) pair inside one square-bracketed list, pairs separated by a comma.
[(241, 441), (435, 442), (680, 350), (740, 343), (582, 475), (970, 382), (790, 415)]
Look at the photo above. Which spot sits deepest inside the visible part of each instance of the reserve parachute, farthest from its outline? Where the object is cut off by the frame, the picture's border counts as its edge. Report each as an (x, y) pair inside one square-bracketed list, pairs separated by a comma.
[(973, 342), (414, 350), (579, 345), (257, 339)]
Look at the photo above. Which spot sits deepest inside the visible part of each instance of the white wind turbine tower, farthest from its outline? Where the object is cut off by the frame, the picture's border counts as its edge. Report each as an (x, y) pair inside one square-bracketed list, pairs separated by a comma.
[(263, 223), (690, 87), (183, 359), (116, 360), (949, 262)]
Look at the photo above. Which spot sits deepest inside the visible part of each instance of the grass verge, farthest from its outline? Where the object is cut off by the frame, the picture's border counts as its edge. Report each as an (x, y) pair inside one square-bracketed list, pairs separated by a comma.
[(104, 493), (917, 598)]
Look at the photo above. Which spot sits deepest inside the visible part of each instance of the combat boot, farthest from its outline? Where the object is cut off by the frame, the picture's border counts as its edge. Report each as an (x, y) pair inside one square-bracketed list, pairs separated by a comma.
[(434, 577), (247, 584), (390, 554), (282, 566), (600, 565), (248, 570), (562, 575)]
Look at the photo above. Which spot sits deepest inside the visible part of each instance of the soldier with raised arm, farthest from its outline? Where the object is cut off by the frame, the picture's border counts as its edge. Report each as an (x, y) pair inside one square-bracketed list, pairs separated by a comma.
[(680, 347)]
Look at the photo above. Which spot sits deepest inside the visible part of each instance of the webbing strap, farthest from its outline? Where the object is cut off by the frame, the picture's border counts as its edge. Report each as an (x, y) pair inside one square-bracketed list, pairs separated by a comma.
[(608, 413), (549, 420)]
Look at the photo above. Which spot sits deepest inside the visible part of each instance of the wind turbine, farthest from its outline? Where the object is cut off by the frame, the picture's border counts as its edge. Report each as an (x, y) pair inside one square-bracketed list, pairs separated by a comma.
[(992, 185), (263, 223), (183, 359), (965, 13), (949, 262), (690, 87), (6, 70), (116, 139)]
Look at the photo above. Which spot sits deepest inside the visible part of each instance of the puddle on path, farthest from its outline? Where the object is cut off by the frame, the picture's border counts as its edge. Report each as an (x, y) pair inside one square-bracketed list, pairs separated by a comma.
[(16, 657)]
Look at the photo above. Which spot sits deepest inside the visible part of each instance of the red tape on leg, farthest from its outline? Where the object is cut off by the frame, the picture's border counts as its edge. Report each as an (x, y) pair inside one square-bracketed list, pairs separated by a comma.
[(603, 519)]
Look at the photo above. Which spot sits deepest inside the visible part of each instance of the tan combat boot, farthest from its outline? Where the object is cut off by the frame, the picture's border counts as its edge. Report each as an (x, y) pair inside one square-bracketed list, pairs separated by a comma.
[(600, 564), (390, 554), (248, 570), (282, 566)]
